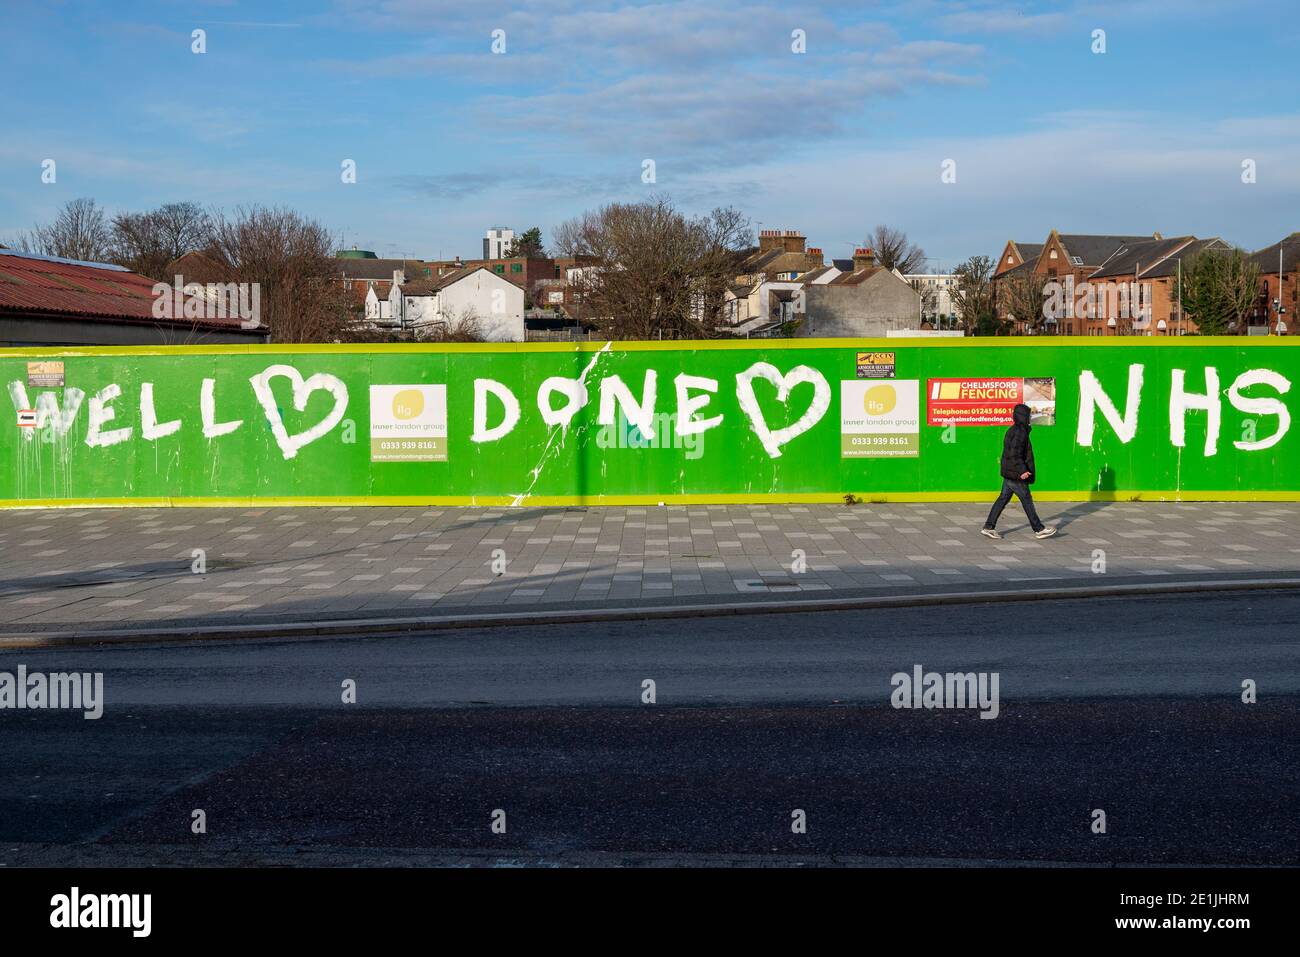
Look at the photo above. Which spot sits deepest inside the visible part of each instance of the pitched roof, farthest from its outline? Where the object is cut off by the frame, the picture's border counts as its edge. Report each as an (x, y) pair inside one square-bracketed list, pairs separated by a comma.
[(1142, 255), (772, 262), (46, 284), (377, 268), (1095, 250), (1267, 257), (813, 274), (1028, 251), (1024, 268), (429, 287), (1169, 265), (856, 277), (196, 266)]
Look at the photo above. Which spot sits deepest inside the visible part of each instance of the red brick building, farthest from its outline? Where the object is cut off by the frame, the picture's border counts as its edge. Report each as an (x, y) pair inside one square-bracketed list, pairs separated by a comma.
[(1279, 267), (357, 275), (1065, 258)]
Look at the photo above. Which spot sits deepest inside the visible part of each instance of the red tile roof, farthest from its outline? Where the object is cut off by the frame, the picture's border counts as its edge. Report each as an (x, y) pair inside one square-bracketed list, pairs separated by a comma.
[(35, 284)]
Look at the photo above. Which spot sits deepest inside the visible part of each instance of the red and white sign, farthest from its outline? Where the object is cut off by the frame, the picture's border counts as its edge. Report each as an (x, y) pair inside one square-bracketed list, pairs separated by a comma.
[(989, 401), (27, 418), (973, 401)]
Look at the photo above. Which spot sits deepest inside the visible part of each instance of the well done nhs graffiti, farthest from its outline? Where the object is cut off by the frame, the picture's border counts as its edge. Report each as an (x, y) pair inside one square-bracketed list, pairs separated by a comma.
[(638, 422)]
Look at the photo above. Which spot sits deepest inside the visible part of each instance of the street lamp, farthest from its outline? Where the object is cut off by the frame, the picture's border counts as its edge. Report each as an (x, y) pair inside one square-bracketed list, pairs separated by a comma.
[(1181, 328), (1277, 303)]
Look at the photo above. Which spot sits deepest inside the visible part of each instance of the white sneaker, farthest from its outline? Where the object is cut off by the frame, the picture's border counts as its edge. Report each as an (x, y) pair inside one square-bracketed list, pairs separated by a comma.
[(1045, 532), (990, 533)]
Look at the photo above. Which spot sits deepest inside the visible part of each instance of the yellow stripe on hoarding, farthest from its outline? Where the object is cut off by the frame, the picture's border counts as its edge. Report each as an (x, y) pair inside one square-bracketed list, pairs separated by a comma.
[(552, 501)]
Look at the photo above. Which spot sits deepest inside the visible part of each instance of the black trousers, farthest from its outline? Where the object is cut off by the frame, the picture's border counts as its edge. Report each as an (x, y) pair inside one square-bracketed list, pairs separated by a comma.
[(1020, 490)]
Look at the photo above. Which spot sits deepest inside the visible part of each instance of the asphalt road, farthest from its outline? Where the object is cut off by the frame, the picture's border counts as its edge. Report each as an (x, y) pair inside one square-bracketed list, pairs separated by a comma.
[(1129, 706)]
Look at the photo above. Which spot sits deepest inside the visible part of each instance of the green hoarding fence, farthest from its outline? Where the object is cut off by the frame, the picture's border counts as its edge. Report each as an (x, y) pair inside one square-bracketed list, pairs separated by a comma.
[(647, 422)]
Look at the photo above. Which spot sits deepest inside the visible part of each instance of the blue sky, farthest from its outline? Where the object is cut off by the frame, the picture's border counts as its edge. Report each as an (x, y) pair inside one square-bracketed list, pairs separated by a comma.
[(449, 137)]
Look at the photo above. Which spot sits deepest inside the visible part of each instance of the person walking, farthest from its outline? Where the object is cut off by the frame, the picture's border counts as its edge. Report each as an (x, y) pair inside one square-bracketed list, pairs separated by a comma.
[(1017, 475)]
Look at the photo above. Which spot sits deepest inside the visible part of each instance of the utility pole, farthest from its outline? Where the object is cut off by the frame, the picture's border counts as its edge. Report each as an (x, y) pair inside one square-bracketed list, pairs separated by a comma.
[(1180, 295)]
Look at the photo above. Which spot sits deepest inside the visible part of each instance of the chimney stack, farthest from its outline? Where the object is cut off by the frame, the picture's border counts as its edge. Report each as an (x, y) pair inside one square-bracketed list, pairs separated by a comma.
[(863, 258), (815, 258), (781, 240)]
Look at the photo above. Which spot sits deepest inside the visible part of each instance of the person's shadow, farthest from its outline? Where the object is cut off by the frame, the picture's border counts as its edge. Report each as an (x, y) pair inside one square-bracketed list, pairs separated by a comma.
[(1102, 494)]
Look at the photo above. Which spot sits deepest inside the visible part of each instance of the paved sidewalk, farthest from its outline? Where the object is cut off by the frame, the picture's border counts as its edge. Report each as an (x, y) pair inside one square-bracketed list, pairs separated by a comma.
[(124, 568)]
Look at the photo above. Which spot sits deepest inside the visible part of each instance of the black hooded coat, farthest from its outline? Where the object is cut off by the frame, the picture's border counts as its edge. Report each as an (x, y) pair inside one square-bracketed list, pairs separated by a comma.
[(1017, 453)]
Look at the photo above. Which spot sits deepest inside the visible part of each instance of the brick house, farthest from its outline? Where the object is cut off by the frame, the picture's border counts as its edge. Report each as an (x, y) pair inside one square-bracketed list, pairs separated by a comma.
[(1066, 258), (1279, 267), (357, 275), (526, 272), (781, 256), (767, 291), (1152, 268), (562, 290), (1015, 255)]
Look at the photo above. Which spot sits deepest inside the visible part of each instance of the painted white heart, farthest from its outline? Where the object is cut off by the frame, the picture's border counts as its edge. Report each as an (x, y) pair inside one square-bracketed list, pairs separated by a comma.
[(302, 390), (772, 441)]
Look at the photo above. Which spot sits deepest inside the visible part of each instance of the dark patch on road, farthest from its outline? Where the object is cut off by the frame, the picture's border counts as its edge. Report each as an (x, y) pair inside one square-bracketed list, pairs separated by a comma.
[(63, 778), (1180, 780)]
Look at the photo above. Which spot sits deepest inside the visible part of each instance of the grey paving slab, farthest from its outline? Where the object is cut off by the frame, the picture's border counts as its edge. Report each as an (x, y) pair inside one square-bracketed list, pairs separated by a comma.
[(118, 566)]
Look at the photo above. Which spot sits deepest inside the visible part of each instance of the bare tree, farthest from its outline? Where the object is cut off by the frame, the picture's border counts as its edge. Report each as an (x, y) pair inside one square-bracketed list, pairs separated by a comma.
[(895, 251), (291, 258), (147, 242), (79, 231), (1020, 297), (655, 272), (464, 326), (972, 294)]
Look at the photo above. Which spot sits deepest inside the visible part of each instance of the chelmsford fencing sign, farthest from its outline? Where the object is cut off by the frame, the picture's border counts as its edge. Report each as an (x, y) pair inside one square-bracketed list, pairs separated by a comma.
[(647, 422)]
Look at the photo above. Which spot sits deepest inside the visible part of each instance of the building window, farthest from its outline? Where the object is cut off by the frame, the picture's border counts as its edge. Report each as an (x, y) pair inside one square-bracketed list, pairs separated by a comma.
[(516, 267), (499, 269)]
